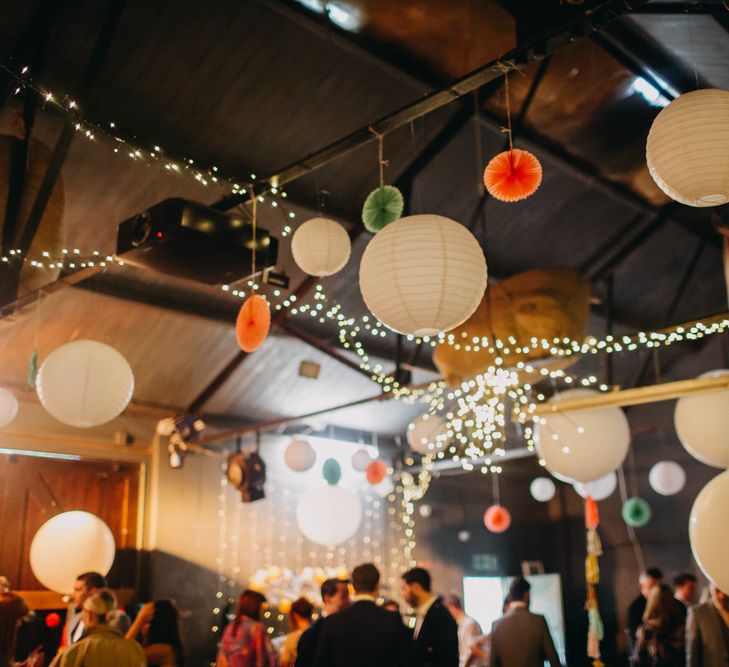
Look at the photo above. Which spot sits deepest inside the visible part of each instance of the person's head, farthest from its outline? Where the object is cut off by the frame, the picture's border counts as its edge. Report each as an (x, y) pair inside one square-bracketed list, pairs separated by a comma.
[(648, 579), (335, 595), (250, 604), (519, 590), (454, 605), (415, 586), (164, 628), (12, 611), (685, 587), (86, 584), (720, 598), (391, 605), (366, 579), (98, 608), (300, 614)]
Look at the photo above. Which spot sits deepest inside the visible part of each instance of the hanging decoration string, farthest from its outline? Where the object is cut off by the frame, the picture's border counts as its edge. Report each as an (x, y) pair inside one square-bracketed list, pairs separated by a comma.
[(508, 110), (495, 489), (254, 244), (381, 162)]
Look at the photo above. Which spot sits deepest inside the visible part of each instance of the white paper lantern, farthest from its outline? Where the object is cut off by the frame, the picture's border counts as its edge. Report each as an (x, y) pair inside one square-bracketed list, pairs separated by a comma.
[(702, 424), (667, 478), (300, 455), (707, 530), (688, 148), (423, 274), (542, 489), (361, 459), (425, 511), (85, 383), (428, 434), (8, 407), (599, 489), (70, 544), (329, 515), (385, 487), (464, 536), (321, 247), (583, 445)]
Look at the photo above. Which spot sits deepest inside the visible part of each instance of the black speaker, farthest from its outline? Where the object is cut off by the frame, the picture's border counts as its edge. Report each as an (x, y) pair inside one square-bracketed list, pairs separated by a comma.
[(247, 473)]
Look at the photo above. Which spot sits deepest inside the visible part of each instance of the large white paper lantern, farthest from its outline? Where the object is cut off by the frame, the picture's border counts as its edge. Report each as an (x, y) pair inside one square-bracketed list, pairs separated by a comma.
[(598, 489), (70, 544), (583, 445), (707, 530), (321, 247), (329, 515), (542, 489), (423, 274), (667, 478), (300, 455), (702, 424), (688, 148), (85, 383), (428, 434), (8, 407)]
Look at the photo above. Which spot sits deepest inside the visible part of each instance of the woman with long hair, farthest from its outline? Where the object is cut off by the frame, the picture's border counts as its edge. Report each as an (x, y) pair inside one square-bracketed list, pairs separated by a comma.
[(158, 624), (245, 641), (12, 611)]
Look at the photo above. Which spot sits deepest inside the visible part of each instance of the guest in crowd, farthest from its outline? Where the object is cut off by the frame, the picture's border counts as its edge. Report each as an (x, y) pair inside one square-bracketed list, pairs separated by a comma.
[(707, 632), (300, 620), (520, 638), (660, 638), (468, 629), (335, 598), (245, 641), (435, 639), (684, 590), (647, 580), (364, 634), (12, 611), (158, 626), (102, 645), (391, 605)]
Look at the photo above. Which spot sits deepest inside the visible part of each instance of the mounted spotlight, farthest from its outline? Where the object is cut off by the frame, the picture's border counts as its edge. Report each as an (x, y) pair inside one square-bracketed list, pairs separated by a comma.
[(247, 472), (177, 449)]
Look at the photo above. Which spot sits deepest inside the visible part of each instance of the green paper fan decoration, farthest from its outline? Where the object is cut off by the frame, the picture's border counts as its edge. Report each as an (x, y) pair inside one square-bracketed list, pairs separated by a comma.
[(332, 472), (636, 512), (382, 206)]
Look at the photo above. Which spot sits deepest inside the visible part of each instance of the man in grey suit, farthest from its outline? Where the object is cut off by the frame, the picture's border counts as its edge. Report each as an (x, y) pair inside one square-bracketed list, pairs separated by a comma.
[(707, 632), (520, 638)]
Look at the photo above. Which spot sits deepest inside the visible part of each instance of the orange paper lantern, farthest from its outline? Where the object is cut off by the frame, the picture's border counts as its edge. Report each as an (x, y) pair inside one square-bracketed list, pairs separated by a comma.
[(376, 472), (497, 519), (253, 323), (512, 175)]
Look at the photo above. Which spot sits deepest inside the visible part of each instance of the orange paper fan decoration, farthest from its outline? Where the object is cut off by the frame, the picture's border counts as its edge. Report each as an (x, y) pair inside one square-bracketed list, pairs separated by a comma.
[(253, 323), (512, 175), (376, 472)]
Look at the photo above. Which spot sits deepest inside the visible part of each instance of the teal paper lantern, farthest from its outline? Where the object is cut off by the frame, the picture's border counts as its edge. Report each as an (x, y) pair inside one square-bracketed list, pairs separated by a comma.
[(382, 206), (636, 512), (332, 472)]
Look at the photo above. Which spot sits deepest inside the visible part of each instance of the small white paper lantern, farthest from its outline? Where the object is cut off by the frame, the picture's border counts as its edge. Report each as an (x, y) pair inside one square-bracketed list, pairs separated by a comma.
[(464, 536), (583, 445), (321, 247), (70, 544), (428, 434), (361, 459), (667, 478), (300, 455), (688, 148), (329, 515), (707, 530), (425, 511), (423, 274), (8, 407), (85, 383), (385, 487), (599, 489), (702, 424), (542, 489)]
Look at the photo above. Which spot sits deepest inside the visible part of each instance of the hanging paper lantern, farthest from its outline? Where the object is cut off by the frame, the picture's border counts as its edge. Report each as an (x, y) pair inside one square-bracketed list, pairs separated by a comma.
[(428, 434), (497, 519), (512, 175), (423, 274), (300, 455), (53, 620), (688, 148), (636, 512), (583, 445), (85, 383), (599, 489), (332, 471), (707, 530), (321, 247), (384, 488), (667, 478), (253, 323), (383, 206), (376, 472), (702, 423), (425, 511), (329, 515), (464, 536), (69, 544), (542, 489), (361, 459), (8, 407)]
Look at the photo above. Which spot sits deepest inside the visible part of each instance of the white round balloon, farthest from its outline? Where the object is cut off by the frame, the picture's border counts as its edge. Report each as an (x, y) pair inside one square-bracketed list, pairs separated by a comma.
[(68, 545), (321, 247), (423, 274), (8, 407), (599, 489), (667, 478), (428, 434), (329, 515), (708, 533), (702, 424), (542, 489), (361, 459), (583, 445), (300, 455), (85, 383)]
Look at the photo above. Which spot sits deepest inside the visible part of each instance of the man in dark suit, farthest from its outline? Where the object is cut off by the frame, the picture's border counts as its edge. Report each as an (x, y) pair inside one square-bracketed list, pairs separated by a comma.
[(335, 598), (364, 635), (684, 590), (707, 632), (436, 633), (520, 638)]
